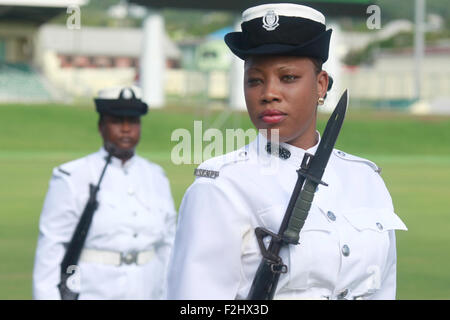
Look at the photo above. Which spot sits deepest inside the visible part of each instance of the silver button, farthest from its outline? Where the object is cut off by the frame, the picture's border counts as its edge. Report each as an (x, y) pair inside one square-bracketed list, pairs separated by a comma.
[(341, 153), (379, 226), (331, 216), (135, 235), (134, 213), (343, 294), (345, 250)]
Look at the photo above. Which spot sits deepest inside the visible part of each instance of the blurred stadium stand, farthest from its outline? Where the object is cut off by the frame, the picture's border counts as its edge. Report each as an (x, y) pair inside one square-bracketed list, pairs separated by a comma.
[(20, 82), (20, 79)]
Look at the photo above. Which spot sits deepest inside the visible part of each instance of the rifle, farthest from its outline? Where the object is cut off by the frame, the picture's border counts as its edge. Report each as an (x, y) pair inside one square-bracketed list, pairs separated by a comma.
[(76, 244), (309, 177)]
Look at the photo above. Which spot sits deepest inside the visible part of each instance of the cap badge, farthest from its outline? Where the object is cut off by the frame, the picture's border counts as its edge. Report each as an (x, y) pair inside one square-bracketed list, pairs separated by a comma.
[(270, 20)]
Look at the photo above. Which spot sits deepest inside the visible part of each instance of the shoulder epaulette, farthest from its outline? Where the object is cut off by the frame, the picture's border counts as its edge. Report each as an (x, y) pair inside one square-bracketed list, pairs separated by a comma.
[(70, 168), (350, 157), (63, 171), (211, 167)]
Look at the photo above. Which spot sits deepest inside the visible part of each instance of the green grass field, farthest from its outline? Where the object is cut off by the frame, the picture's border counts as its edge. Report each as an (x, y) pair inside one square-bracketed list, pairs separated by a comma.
[(414, 153)]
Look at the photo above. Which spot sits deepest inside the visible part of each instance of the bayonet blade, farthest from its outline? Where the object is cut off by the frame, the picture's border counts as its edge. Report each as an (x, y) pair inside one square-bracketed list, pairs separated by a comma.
[(329, 138), (313, 175)]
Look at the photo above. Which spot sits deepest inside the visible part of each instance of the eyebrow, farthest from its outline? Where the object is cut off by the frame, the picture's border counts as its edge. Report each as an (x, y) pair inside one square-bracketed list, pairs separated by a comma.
[(251, 68), (285, 67)]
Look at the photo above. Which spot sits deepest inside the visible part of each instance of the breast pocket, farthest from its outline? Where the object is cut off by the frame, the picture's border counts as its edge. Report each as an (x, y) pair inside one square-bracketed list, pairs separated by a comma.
[(153, 221), (312, 258), (373, 224), (378, 220), (304, 259), (271, 217), (372, 243), (105, 219)]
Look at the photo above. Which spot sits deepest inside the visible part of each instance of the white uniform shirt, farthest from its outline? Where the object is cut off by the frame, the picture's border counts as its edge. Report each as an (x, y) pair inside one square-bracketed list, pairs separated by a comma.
[(135, 213), (347, 246)]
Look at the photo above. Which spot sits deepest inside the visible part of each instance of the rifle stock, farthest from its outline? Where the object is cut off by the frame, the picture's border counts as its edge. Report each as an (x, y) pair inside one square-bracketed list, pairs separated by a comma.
[(264, 283)]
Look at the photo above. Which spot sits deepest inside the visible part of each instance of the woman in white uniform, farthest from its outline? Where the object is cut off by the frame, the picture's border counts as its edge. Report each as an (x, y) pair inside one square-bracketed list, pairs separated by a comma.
[(127, 248), (347, 246)]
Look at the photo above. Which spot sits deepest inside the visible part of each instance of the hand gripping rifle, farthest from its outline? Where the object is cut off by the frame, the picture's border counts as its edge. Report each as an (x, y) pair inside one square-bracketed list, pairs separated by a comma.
[(309, 177), (76, 244)]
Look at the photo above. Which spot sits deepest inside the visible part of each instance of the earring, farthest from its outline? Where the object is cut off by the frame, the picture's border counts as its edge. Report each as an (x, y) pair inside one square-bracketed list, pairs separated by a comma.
[(321, 101)]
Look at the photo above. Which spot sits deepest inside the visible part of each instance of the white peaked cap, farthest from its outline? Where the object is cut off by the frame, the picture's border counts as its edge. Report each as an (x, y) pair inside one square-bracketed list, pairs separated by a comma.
[(283, 9), (281, 29), (114, 92)]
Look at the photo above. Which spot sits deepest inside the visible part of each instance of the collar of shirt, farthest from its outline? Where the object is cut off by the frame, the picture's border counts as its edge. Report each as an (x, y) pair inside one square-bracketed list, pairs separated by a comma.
[(116, 162), (296, 153)]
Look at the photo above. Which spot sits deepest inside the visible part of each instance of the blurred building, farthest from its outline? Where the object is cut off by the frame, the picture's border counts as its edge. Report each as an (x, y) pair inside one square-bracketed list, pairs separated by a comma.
[(40, 62), (389, 79), (353, 40), (205, 65), (391, 76), (386, 82), (80, 62)]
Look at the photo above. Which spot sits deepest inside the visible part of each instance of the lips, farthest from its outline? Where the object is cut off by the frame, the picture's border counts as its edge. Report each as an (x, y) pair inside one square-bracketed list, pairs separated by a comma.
[(272, 116), (126, 140)]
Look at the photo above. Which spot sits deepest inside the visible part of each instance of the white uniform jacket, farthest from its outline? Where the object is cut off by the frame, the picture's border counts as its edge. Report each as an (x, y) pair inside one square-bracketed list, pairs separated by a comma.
[(135, 213), (347, 246)]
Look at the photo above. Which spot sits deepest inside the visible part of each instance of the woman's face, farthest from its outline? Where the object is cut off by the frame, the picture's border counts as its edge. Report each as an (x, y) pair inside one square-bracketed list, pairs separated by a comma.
[(281, 93), (120, 134)]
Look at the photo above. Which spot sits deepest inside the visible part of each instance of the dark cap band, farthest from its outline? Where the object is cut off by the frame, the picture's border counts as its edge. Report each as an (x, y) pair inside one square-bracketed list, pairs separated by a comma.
[(291, 31), (125, 107), (122, 106)]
